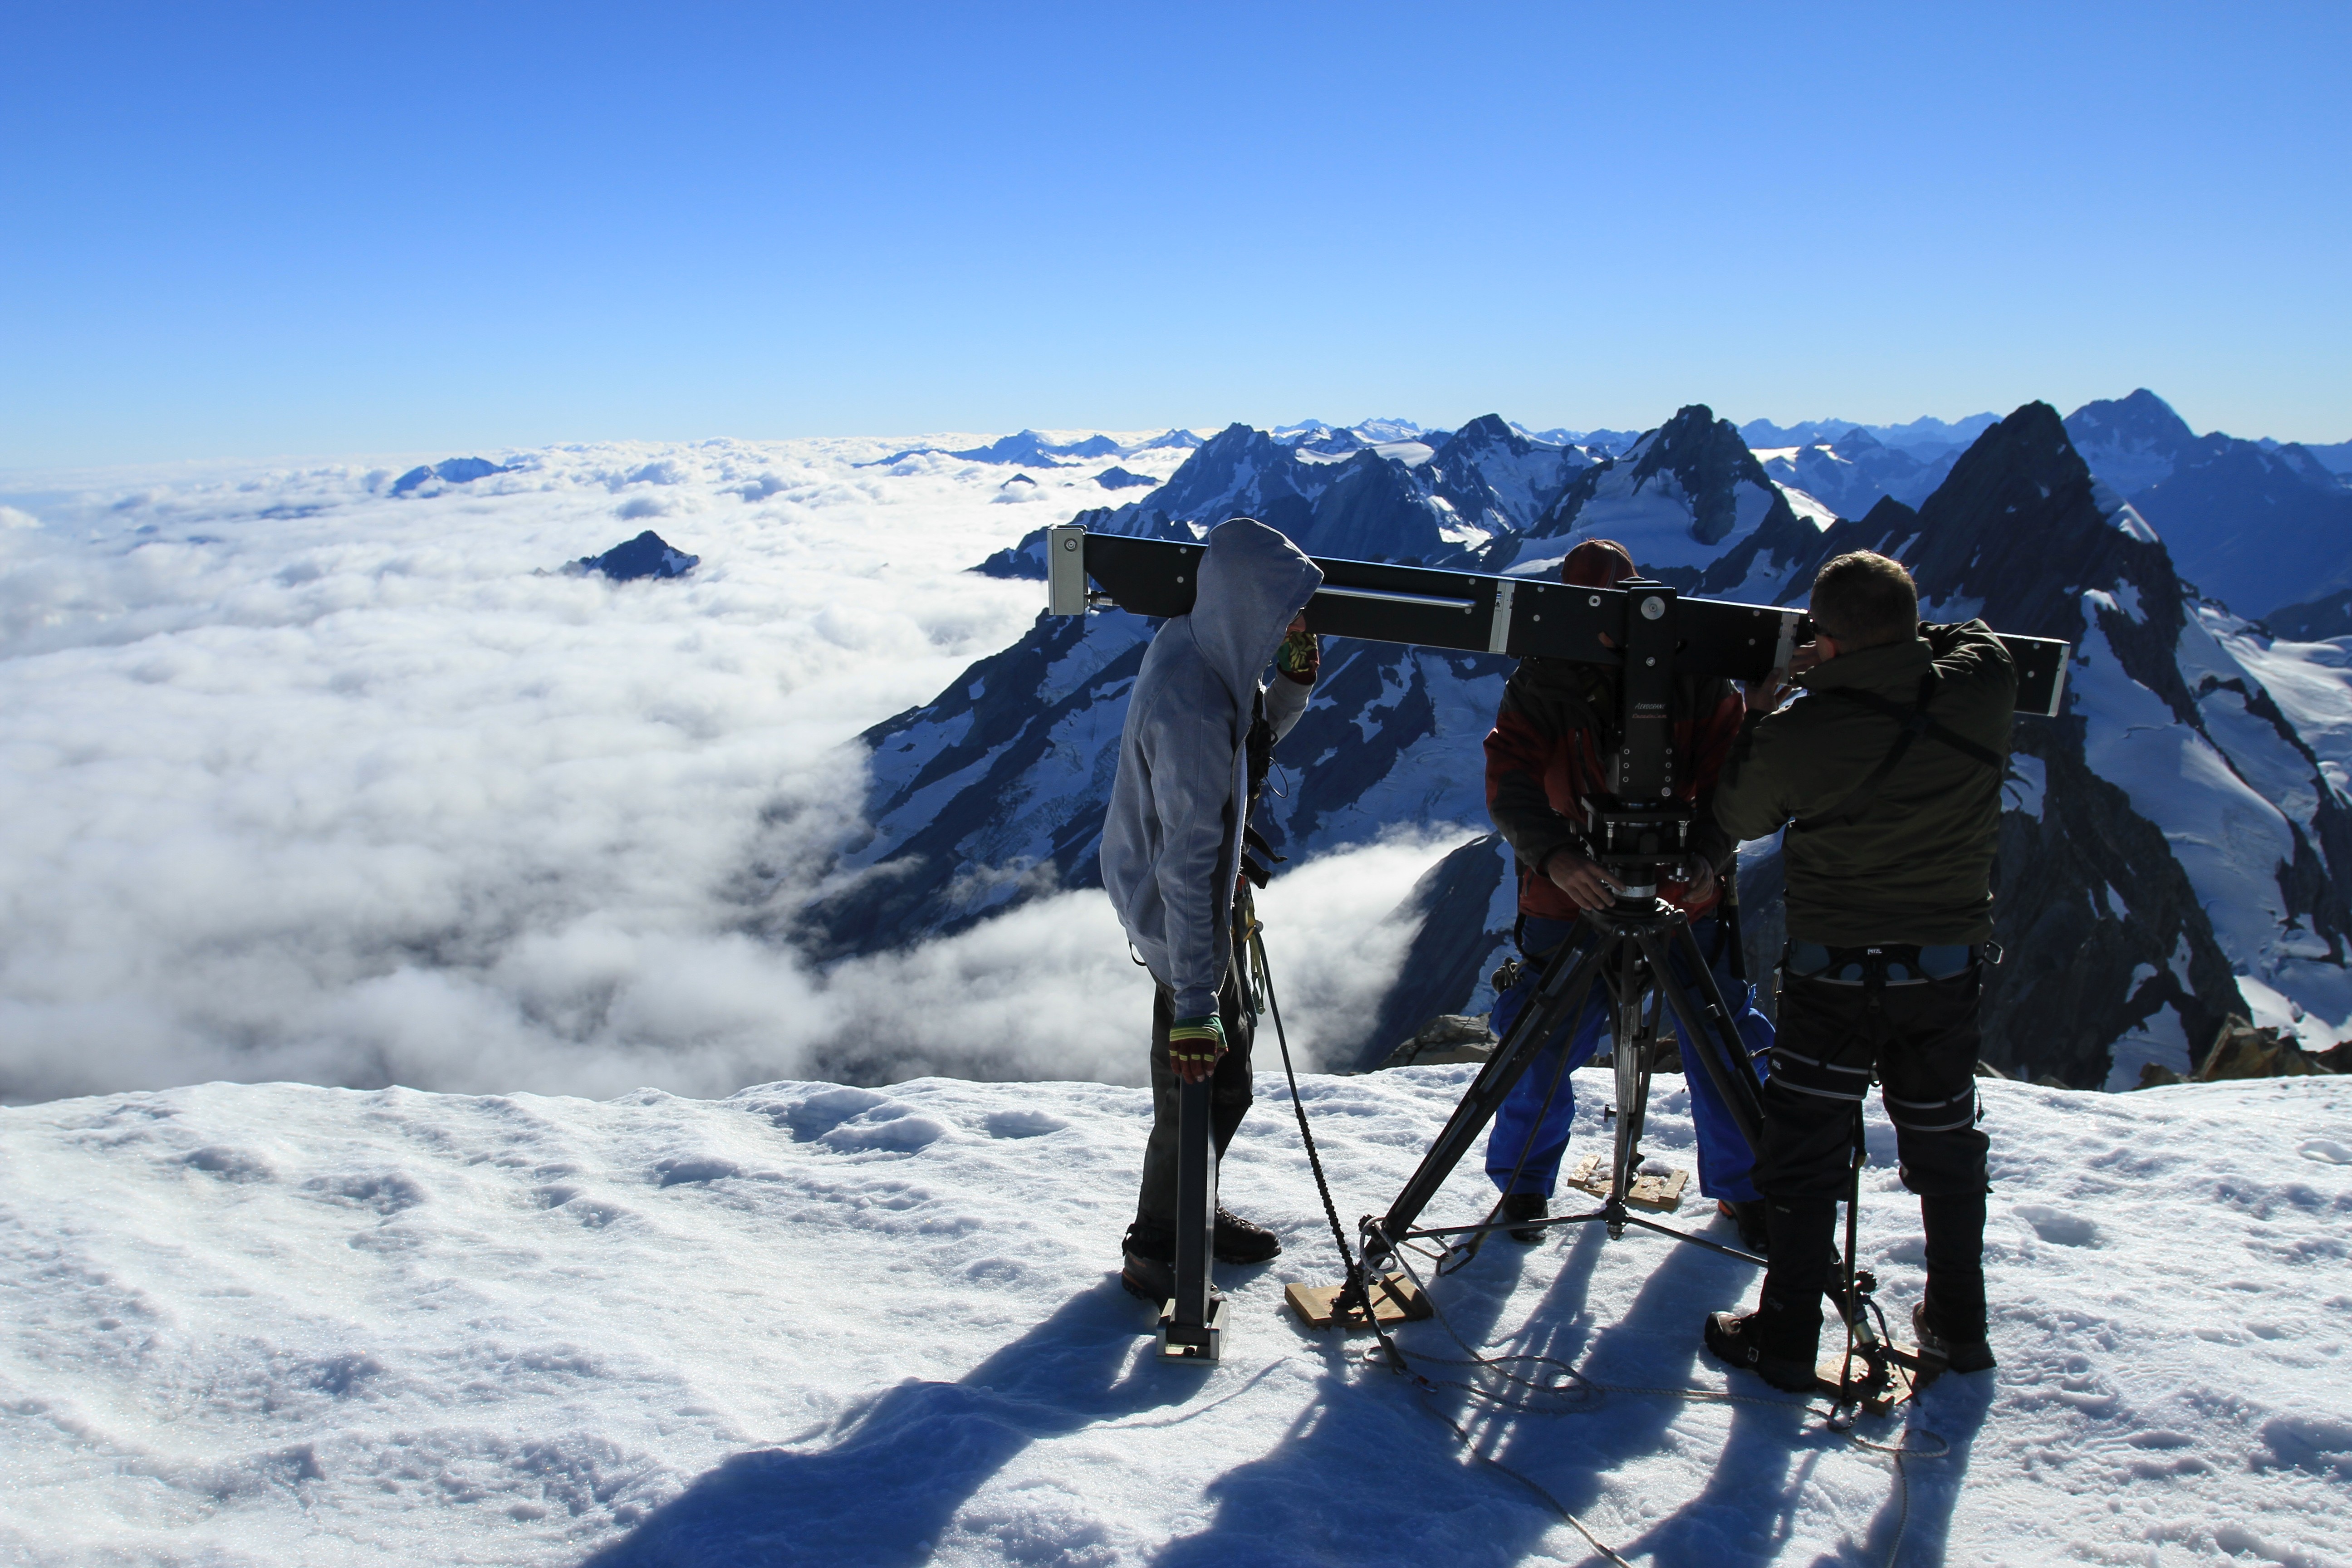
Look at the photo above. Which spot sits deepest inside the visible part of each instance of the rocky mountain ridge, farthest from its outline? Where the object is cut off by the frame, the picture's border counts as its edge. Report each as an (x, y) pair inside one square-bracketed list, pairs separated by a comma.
[(2175, 849)]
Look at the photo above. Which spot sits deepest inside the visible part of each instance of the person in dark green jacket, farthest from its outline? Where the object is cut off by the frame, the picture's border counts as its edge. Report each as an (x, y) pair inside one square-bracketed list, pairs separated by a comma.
[(1886, 773)]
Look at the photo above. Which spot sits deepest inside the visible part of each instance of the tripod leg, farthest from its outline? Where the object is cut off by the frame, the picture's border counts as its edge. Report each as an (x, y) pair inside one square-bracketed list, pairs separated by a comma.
[(1187, 1326), (1567, 985), (1736, 1085), (1630, 1055)]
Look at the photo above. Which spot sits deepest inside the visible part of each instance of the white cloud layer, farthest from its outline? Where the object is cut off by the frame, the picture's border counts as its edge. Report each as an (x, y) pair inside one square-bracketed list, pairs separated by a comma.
[(302, 781)]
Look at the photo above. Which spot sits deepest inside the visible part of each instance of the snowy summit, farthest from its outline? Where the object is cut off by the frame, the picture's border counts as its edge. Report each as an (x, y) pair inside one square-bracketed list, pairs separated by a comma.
[(282, 1325)]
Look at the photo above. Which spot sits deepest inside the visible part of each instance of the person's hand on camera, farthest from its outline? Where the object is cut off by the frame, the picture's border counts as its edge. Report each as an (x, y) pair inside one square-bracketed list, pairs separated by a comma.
[(1196, 1045), (1769, 693), (1301, 653), (1702, 879), (1583, 880)]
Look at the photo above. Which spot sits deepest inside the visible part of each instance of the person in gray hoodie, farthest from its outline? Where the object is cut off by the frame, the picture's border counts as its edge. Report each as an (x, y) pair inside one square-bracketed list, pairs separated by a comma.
[(1192, 758)]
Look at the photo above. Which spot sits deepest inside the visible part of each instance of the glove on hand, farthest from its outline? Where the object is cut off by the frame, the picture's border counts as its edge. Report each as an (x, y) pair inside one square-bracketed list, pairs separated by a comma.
[(1194, 1046), (1299, 656)]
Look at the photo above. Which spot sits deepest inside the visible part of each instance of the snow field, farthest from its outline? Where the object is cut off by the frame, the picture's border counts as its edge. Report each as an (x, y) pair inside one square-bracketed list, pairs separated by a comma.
[(288, 1325)]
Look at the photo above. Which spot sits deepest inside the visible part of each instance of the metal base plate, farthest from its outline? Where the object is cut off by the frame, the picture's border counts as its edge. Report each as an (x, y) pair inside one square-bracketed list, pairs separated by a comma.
[(1205, 1343)]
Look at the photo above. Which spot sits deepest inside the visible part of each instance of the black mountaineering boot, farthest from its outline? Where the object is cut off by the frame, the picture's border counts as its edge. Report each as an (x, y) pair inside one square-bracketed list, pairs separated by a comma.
[(1754, 1234), (1739, 1341), (1781, 1339), (1520, 1208), (1239, 1241), (1938, 1354), (1956, 1290)]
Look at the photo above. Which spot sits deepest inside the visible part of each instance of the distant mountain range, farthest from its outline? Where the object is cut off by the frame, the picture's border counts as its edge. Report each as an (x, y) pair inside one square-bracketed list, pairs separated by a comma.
[(2177, 847), (1029, 449)]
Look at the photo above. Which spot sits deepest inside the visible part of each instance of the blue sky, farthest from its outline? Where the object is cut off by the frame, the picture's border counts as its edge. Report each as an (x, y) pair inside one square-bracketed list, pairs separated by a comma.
[(254, 230)]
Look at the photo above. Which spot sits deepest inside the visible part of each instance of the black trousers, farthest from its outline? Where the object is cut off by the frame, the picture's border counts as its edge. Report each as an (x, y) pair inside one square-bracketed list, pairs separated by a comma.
[(1921, 1043), (1231, 1091)]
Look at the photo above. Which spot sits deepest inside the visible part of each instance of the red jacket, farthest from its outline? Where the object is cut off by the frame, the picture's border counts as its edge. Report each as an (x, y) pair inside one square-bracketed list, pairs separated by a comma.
[(1543, 759)]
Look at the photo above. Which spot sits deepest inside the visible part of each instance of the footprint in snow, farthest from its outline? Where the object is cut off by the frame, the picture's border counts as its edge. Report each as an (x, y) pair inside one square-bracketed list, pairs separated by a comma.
[(892, 1128), (672, 1172), (810, 1119), (228, 1164), (2057, 1227), (1021, 1124)]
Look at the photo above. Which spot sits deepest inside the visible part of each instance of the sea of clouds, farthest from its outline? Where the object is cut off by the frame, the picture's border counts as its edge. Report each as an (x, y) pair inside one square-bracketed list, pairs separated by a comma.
[(302, 780)]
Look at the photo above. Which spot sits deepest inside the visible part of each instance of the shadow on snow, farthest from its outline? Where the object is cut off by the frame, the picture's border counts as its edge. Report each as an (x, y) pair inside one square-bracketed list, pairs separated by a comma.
[(1361, 1476)]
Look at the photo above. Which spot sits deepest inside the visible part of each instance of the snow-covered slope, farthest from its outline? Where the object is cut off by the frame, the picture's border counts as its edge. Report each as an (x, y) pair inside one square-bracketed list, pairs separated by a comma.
[(1855, 472), (285, 1326)]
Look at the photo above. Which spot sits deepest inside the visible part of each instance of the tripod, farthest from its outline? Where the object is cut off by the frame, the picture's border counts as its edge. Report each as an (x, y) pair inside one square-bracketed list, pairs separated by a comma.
[(1625, 948)]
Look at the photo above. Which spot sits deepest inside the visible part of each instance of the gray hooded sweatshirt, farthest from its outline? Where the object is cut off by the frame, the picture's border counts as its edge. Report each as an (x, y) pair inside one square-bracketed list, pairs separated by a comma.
[(1172, 839)]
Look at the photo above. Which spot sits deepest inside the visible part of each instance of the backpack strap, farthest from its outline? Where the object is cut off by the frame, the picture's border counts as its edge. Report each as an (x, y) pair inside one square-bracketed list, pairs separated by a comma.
[(1915, 724)]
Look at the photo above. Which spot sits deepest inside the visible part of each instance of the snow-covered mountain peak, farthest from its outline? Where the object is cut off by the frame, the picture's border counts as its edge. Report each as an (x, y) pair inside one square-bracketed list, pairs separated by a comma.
[(1676, 498), (2132, 442), (1525, 473), (2260, 526)]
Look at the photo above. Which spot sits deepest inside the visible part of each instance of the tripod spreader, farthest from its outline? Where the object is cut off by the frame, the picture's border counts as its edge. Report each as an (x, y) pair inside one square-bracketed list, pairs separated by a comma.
[(1646, 927)]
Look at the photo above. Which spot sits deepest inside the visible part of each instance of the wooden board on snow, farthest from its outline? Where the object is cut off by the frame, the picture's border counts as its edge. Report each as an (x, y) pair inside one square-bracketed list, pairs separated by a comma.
[(1663, 1193), (1395, 1299), (1873, 1400)]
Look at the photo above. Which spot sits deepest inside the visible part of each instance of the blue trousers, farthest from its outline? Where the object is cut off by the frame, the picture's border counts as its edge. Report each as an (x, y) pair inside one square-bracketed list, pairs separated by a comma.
[(1526, 1125)]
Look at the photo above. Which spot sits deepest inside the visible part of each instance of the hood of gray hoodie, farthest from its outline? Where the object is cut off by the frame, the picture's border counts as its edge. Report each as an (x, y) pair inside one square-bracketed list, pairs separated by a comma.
[(1252, 581), (1172, 838)]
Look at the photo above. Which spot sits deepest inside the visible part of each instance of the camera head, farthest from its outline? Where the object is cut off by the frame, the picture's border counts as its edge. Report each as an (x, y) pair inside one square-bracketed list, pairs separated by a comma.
[(1642, 844)]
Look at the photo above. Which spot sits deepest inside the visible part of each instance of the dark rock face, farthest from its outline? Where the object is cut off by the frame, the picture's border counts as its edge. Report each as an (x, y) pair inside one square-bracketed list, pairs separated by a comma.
[(647, 555), (1119, 478), (455, 471)]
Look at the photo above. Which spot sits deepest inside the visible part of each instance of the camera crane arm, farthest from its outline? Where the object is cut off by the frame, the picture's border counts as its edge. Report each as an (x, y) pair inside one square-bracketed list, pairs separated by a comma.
[(1471, 612)]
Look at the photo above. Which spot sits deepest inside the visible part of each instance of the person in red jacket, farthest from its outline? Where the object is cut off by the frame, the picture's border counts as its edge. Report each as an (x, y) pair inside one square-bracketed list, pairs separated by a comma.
[(1544, 759)]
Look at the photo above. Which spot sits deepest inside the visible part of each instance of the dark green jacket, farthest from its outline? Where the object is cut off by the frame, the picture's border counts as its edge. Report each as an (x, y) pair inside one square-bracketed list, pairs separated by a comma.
[(1914, 863)]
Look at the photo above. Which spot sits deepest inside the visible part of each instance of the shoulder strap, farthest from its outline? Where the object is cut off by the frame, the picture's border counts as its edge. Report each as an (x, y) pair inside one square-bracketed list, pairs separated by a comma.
[(1915, 724)]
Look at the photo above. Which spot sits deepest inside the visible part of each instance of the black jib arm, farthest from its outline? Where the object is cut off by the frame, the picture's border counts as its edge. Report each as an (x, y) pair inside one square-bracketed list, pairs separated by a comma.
[(1471, 613)]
